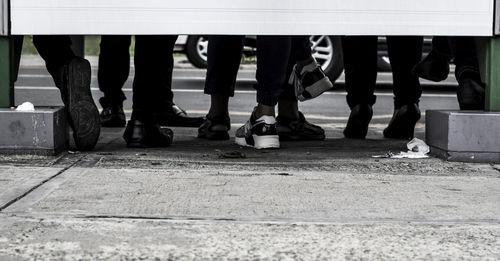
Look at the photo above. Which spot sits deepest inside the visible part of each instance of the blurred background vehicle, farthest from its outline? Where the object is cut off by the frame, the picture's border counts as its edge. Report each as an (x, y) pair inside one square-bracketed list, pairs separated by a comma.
[(326, 49)]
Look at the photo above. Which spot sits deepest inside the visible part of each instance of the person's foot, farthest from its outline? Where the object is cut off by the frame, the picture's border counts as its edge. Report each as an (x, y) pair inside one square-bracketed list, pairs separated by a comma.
[(298, 129), (139, 134), (215, 128), (471, 94), (259, 133), (359, 119), (402, 124), (175, 116), (433, 68), (74, 83), (112, 116), (310, 81)]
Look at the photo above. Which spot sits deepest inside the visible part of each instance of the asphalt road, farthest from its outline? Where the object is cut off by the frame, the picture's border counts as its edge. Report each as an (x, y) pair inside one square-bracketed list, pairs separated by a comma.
[(330, 110)]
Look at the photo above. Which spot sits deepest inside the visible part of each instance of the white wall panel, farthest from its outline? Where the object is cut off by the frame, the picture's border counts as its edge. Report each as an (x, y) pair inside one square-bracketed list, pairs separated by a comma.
[(368, 17)]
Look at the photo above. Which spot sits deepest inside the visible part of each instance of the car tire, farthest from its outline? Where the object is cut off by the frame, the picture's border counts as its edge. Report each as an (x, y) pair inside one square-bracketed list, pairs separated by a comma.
[(196, 50), (327, 50)]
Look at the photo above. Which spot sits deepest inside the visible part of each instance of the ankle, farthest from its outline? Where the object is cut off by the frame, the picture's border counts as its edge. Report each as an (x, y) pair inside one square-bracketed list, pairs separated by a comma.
[(218, 106), (288, 109), (264, 110)]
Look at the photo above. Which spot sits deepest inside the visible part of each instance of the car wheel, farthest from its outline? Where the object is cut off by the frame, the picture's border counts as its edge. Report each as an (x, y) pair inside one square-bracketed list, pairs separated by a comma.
[(327, 50), (196, 50)]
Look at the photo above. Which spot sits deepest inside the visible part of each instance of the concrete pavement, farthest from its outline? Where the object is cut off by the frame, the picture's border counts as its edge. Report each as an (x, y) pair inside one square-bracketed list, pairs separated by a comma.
[(307, 201)]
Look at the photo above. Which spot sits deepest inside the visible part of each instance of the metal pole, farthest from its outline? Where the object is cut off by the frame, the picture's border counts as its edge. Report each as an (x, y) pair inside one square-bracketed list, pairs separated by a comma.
[(6, 58), (6, 81), (492, 73)]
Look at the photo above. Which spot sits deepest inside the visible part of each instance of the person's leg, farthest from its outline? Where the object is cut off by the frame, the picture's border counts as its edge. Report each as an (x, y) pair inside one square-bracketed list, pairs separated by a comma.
[(308, 78), (71, 75), (55, 50), (114, 67), (224, 57), (149, 94), (272, 59), (171, 114), (471, 89), (112, 73), (18, 49), (404, 53), (291, 123), (360, 63), (436, 65)]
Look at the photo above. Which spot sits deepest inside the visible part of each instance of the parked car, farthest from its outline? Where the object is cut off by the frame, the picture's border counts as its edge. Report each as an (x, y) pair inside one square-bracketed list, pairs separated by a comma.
[(326, 49)]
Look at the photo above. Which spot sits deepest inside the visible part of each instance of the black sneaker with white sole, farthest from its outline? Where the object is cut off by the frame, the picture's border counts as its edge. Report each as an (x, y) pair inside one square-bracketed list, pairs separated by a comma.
[(310, 82), (259, 133)]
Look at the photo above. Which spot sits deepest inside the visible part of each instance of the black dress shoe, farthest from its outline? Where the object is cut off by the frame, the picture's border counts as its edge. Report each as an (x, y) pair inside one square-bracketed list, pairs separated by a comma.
[(471, 94), (175, 116), (359, 119), (433, 67), (113, 116), (147, 135), (402, 124), (73, 79)]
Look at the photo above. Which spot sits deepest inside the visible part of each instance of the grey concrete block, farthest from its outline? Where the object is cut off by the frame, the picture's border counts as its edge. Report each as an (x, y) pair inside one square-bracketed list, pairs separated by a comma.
[(464, 135), (44, 131)]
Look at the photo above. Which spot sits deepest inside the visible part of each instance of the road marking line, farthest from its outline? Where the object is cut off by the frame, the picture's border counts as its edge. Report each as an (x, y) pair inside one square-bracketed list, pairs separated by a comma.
[(341, 93), (308, 116)]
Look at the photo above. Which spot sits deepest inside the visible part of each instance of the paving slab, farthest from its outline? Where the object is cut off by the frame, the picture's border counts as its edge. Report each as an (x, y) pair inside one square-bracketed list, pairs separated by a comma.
[(134, 239), (215, 193), (16, 181)]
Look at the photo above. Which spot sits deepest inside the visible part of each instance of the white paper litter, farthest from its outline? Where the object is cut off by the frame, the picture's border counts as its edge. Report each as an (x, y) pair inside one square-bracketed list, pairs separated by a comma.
[(417, 149), (26, 106)]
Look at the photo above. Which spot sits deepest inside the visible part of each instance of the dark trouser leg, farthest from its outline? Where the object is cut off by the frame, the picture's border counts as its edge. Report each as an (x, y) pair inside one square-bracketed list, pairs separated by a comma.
[(18, 49), (405, 52), (272, 59), (224, 57), (360, 63), (114, 67), (463, 50), (441, 46), (471, 89), (55, 50), (153, 75)]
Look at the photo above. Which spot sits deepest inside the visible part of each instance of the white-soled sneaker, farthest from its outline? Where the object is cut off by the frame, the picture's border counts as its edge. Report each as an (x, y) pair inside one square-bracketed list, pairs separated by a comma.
[(258, 133), (310, 82)]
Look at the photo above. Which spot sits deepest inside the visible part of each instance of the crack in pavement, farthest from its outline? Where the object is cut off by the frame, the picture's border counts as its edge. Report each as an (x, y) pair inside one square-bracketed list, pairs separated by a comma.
[(8, 204)]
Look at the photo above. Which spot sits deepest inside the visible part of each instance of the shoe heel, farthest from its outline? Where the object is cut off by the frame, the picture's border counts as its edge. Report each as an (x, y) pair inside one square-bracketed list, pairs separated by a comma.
[(266, 142), (404, 126)]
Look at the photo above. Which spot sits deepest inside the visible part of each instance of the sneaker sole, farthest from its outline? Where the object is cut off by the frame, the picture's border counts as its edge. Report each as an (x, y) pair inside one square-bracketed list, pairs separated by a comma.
[(82, 111), (261, 142), (316, 89)]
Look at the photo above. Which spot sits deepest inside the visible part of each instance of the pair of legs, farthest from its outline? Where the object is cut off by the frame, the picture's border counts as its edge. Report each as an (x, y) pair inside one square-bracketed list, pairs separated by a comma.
[(71, 75), (436, 67), (113, 72), (273, 52), (360, 62), (151, 91)]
